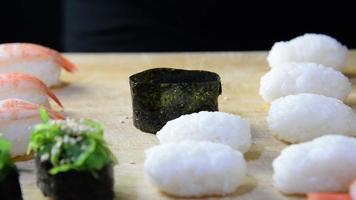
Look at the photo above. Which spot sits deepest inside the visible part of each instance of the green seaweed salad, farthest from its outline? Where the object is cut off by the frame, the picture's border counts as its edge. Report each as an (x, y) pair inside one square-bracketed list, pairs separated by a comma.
[(6, 163), (71, 144)]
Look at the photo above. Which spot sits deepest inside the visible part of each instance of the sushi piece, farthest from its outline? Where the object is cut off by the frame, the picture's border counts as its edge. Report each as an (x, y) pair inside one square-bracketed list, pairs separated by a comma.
[(217, 127), (163, 94), (17, 118), (40, 61), (326, 164), (9, 178), (26, 87), (303, 117), (72, 159), (195, 169), (353, 190), (296, 78), (316, 48)]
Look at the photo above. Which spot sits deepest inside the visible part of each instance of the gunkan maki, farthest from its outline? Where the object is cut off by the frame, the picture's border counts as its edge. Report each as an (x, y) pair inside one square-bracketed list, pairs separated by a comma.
[(162, 94), (9, 178), (72, 159)]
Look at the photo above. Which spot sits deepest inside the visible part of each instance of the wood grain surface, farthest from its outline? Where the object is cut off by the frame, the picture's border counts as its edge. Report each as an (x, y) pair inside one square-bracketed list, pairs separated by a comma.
[(100, 90)]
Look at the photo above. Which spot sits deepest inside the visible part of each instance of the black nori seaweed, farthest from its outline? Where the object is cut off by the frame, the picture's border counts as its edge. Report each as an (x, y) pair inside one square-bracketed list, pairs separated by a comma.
[(10, 187), (163, 94), (75, 185)]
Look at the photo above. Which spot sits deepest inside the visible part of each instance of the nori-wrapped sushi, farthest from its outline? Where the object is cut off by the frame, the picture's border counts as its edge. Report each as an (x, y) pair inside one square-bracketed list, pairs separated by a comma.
[(72, 160), (9, 178), (163, 94)]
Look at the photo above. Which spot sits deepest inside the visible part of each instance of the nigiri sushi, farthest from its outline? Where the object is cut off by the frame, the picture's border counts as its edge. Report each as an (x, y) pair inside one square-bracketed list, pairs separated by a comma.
[(72, 159), (316, 48), (10, 188), (26, 87), (40, 61), (303, 117), (326, 164), (217, 127), (296, 78), (195, 169), (17, 118)]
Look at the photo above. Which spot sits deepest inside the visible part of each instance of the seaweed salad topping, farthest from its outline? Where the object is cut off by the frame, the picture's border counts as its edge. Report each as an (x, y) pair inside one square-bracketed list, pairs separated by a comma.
[(71, 144), (6, 163)]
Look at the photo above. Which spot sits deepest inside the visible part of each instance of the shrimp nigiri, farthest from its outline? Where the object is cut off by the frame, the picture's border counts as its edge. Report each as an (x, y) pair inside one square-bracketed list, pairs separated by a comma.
[(17, 118), (34, 59), (26, 87)]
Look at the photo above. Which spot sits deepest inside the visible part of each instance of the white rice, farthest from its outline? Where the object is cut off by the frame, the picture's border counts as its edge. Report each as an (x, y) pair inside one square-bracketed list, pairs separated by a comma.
[(217, 127), (194, 169), (18, 132), (326, 164), (46, 70), (302, 117), (296, 78), (317, 48)]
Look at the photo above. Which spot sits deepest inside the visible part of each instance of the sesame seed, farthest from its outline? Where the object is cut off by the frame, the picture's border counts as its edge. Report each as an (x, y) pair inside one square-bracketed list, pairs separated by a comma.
[(45, 157)]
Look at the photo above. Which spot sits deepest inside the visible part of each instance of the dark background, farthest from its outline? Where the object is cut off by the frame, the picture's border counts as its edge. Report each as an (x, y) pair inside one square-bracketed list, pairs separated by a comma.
[(228, 26), (31, 21)]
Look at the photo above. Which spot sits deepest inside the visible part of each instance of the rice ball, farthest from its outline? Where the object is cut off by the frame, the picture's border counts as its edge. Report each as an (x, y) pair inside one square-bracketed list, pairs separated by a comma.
[(317, 48), (296, 78), (217, 127), (194, 169), (326, 164), (302, 117)]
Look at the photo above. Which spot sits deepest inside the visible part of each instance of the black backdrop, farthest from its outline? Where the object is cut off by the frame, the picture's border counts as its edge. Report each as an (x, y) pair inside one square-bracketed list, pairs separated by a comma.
[(37, 21), (252, 27)]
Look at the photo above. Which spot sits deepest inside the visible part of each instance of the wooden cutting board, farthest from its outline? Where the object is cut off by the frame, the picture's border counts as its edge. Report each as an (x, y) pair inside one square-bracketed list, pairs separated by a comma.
[(100, 90)]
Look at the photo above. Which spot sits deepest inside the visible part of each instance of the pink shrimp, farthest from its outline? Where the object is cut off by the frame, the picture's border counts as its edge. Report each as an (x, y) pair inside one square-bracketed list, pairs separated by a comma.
[(34, 59), (17, 118), (27, 87)]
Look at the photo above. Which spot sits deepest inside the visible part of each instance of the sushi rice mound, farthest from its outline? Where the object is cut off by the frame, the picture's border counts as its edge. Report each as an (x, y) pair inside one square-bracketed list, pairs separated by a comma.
[(317, 48), (296, 78), (217, 127), (303, 117), (326, 164), (46, 70), (194, 169)]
